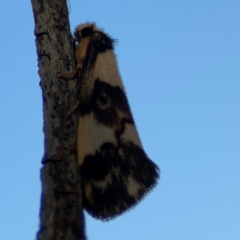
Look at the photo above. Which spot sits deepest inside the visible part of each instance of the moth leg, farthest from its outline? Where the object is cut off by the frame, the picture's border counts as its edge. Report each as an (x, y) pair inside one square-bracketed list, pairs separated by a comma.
[(68, 75), (74, 108), (80, 54)]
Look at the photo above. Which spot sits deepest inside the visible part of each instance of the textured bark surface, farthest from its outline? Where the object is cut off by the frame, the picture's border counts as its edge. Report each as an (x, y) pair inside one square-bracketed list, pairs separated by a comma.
[(61, 211)]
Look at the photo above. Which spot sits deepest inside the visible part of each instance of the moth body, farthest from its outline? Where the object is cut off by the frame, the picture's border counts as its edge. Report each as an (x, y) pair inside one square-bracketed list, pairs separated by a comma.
[(116, 172)]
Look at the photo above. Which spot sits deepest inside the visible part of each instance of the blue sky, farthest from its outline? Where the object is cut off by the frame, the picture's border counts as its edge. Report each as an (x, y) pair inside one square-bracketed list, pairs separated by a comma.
[(180, 63)]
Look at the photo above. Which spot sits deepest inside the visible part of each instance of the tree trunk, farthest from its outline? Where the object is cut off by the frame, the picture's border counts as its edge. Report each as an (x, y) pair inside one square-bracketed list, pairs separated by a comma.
[(61, 202)]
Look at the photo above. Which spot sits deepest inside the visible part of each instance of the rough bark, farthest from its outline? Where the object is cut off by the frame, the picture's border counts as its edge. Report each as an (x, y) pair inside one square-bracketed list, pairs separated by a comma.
[(61, 210)]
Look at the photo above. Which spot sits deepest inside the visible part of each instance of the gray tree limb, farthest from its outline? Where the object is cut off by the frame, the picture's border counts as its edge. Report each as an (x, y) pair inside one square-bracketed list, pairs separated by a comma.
[(61, 208)]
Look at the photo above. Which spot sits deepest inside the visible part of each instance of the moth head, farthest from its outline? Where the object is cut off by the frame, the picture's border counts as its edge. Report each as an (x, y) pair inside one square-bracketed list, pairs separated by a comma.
[(84, 30)]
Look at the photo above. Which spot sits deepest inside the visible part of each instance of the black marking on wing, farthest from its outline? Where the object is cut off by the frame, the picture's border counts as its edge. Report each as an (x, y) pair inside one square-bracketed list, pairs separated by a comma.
[(106, 102), (117, 163)]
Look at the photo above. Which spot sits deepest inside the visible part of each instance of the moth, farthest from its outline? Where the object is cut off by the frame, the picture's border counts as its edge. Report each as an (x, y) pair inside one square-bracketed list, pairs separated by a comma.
[(116, 172)]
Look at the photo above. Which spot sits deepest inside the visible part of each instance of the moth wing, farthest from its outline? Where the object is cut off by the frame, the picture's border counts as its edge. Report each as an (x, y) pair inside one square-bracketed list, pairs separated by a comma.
[(115, 169)]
